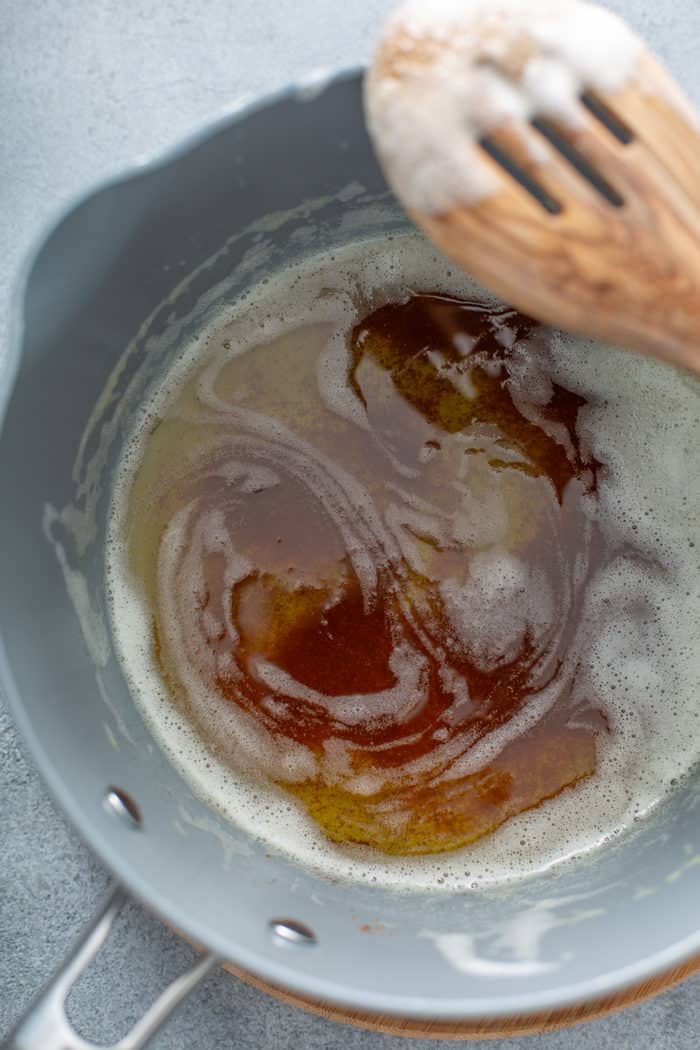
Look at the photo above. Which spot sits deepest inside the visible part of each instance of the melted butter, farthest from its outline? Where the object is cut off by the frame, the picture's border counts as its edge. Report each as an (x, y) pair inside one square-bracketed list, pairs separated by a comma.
[(401, 654)]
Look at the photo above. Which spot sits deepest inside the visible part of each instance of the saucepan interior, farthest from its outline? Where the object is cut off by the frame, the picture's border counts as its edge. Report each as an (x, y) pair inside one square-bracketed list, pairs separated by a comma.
[(138, 264)]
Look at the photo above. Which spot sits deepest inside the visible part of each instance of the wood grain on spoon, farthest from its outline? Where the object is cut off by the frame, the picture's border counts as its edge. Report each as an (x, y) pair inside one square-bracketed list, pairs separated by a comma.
[(623, 267)]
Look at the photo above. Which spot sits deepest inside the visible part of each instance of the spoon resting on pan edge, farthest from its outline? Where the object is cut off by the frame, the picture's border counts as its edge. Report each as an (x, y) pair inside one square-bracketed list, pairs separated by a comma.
[(542, 146)]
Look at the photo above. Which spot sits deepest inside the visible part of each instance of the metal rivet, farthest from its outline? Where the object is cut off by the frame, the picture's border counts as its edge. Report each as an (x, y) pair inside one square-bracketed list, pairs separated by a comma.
[(289, 931), (123, 806)]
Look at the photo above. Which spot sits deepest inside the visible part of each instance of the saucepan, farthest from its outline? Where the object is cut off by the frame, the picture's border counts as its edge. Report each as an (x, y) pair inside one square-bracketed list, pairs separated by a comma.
[(104, 304)]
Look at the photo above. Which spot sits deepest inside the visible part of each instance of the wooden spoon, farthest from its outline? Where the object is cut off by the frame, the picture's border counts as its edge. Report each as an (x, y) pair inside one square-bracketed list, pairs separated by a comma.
[(569, 189)]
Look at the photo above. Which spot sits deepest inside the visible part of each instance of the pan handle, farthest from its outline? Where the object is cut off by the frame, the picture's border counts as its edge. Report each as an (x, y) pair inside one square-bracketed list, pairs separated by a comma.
[(45, 1025)]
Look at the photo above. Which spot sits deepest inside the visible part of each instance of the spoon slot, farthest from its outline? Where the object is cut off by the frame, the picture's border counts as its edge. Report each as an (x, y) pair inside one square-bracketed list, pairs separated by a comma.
[(607, 117), (577, 160), (518, 173)]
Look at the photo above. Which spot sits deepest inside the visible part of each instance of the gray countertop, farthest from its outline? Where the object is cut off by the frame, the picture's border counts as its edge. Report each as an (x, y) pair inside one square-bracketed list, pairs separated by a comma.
[(86, 87)]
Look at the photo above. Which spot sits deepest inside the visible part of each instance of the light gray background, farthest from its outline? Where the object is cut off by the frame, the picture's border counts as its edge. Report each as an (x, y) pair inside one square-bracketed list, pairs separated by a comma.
[(85, 87)]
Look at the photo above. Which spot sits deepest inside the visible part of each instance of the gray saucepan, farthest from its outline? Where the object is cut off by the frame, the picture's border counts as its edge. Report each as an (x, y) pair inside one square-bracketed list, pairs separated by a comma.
[(134, 265)]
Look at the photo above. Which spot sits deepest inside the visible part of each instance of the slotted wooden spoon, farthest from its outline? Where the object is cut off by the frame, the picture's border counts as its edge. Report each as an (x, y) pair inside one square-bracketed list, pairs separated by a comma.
[(594, 224)]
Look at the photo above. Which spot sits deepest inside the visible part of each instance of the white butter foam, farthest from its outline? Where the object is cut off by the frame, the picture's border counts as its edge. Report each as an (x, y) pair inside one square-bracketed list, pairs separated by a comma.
[(436, 86), (641, 421)]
